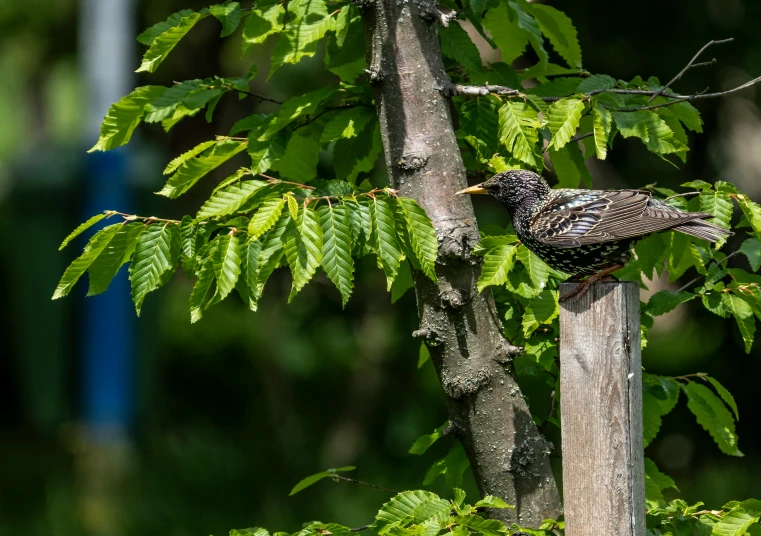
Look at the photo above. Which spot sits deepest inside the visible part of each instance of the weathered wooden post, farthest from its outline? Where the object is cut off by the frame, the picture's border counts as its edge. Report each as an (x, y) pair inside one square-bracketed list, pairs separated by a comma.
[(601, 412)]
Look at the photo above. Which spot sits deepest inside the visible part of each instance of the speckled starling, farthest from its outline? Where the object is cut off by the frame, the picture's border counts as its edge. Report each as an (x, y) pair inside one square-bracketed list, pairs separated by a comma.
[(587, 232)]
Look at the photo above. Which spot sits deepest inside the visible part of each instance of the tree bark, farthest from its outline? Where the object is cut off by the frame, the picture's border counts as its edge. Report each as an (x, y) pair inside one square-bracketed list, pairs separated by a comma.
[(508, 455)]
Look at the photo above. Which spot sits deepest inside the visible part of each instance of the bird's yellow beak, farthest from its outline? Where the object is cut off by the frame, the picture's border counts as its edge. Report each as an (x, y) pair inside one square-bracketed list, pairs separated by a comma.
[(473, 190)]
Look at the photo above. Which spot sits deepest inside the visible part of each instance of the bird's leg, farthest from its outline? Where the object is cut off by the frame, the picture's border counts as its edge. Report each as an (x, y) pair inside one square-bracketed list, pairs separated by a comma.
[(580, 289)]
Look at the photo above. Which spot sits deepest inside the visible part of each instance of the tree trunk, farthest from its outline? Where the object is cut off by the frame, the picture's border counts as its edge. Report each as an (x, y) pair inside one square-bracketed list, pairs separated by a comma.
[(508, 455)]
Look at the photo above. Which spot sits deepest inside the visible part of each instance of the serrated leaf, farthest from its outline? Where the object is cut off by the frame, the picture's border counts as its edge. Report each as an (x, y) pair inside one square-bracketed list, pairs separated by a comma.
[(596, 82), (252, 532), (490, 501), (424, 442), (229, 200), (301, 37), (313, 479), (422, 235), (713, 416), (347, 61), (659, 396), (346, 124), (536, 268), (568, 164), (560, 31), (163, 44), (226, 263), (156, 253), (688, 115), (457, 45), (293, 207), (358, 154), (200, 291), (383, 239), (664, 301), (479, 125), (82, 227), (227, 14), (719, 204), (542, 309), (656, 482), (165, 104), (602, 126), (303, 248), (271, 253), (505, 32), (114, 255), (739, 520), (563, 120), (299, 162), (725, 395), (261, 23), (184, 157), (294, 108), (97, 244), (533, 33), (147, 37), (497, 264), (751, 248), (487, 527), (651, 129), (518, 125), (336, 248), (400, 508), (743, 314), (194, 168), (267, 215), (124, 116)]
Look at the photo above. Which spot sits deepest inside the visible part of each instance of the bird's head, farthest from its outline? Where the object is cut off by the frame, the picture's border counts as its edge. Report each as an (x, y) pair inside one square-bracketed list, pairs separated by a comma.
[(513, 188)]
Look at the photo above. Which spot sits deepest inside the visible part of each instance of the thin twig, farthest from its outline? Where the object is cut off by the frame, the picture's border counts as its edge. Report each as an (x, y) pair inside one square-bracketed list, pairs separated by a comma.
[(685, 194), (360, 529), (582, 136), (135, 217), (691, 65), (355, 481), (242, 91), (698, 278)]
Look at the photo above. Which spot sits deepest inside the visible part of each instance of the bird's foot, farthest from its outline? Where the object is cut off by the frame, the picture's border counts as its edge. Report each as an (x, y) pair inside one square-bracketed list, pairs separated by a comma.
[(579, 290)]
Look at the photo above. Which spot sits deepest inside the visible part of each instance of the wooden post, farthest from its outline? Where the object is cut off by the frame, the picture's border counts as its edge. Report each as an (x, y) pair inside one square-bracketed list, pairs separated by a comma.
[(601, 411)]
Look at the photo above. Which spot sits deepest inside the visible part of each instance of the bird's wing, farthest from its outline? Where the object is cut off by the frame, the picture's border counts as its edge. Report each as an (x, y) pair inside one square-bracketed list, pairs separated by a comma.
[(575, 218)]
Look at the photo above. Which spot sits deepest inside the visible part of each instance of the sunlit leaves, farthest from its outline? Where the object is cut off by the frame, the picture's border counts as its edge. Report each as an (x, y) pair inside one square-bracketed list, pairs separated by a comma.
[(518, 124), (664, 301), (421, 234), (313, 479), (336, 247), (156, 253), (498, 259), (264, 20), (479, 125), (266, 216), (384, 239), (719, 204), (162, 44), (194, 168), (713, 415), (113, 256), (303, 247), (124, 116), (560, 30), (295, 108), (228, 200), (602, 127), (659, 396), (225, 262), (301, 36), (505, 32), (76, 269), (82, 228), (542, 309), (227, 14), (651, 129)]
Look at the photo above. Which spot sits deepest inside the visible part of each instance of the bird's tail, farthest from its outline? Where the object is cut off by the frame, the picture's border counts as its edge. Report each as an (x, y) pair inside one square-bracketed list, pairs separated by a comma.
[(705, 230)]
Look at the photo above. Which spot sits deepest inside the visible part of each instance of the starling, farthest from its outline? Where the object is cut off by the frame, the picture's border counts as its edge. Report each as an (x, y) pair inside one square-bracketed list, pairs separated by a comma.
[(587, 232)]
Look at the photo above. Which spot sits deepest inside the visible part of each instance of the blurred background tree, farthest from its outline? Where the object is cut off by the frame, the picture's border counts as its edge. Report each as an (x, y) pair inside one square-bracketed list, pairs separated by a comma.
[(228, 414)]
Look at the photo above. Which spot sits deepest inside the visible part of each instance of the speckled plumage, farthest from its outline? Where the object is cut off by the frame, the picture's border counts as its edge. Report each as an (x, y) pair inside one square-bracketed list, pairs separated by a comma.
[(584, 232)]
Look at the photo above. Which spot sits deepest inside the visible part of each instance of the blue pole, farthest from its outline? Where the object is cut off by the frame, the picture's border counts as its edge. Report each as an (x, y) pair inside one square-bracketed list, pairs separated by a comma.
[(107, 53)]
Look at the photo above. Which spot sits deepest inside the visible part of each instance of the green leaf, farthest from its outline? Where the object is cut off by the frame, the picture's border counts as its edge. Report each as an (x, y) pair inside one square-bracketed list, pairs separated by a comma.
[(542, 309), (357, 154), (656, 482), (457, 45), (402, 283), (82, 228), (261, 23), (563, 120), (659, 396), (384, 241), (602, 126), (124, 116), (303, 248), (229, 15), (560, 31), (596, 82), (739, 519), (97, 244), (664, 301), (118, 251), (165, 105), (156, 253), (294, 108), (743, 314), (487, 527), (536, 268), (299, 163), (229, 200), (423, 357), (147, 37), (313, 479), (725, 395), (518, 124), (651, 129), (505, 32), (751, 248), (301, 36), (346, 124), (422, 235), (193, 169), (336, 248), (347, 61), (200, 291), (226, 263), (424, 442), (688, 115), (713, 416), (267, 215), (533, 33), (270, 255), (400, 508), (719, 204), (479, 125), (497, 264), (490, 501), (752, 212), (251, 532), (163, 44), (568, 164), (184, 157)]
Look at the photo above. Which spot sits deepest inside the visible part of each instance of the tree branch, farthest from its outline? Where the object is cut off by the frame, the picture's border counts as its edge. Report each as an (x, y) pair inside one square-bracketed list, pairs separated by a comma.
[(692, 64), (698, 278)]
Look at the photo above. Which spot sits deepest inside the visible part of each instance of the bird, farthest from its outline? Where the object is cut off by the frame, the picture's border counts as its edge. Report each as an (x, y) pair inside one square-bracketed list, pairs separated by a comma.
[(587, 233)]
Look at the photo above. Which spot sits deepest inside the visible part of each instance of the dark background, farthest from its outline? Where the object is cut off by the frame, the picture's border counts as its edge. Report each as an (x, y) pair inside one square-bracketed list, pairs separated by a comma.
[(230, 413)]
